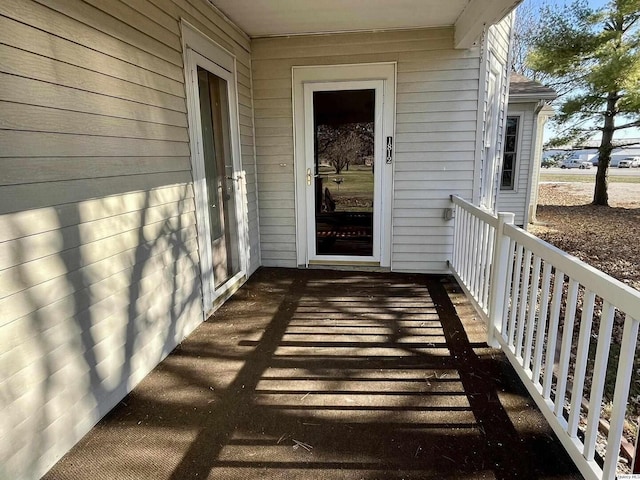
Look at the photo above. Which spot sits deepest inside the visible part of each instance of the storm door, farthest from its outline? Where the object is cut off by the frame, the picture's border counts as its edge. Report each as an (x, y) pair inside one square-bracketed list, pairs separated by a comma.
[(344, 171), (217, 174), (219, 170)]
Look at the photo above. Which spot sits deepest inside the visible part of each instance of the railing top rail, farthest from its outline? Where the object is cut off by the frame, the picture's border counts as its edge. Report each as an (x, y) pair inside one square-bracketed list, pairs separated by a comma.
[(614, 291), (484, 215)]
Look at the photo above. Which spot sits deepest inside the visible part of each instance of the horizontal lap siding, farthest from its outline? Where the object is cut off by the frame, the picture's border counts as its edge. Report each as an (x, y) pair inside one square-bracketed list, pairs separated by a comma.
[(437, 99), (515, 200), (99, 266)]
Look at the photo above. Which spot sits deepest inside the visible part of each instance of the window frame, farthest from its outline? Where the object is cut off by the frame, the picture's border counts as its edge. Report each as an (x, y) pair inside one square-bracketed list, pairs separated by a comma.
[(516, 154)]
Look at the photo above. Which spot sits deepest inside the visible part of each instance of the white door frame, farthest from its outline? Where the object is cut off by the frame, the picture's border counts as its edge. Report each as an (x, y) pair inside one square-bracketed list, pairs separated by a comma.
[(306, 80), (202, 51)]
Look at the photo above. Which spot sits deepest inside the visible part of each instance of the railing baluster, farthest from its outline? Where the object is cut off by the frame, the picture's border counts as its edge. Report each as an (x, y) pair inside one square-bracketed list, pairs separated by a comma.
[(554, 320), (542, 323), (488, 265), (469, 255), (531, 321), (620, 395), (515, 295), (467, 247), (459, 219), (486, 258), (474, 257), (582, 355), (565, 348), (480, 263), (597, 382), (508, 303), (456, 224), (524, 300), (479, 259)]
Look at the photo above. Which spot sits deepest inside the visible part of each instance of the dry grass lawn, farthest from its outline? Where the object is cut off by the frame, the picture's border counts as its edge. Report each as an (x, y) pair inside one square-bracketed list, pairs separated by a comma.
[(606, 237)]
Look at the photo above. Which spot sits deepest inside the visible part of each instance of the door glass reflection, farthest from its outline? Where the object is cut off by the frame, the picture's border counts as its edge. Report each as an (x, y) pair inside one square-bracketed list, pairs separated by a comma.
[(219, 174), (344, 171)]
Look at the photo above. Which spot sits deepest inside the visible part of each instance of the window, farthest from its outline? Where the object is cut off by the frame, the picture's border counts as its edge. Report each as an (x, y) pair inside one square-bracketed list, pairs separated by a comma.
[(510, 154)]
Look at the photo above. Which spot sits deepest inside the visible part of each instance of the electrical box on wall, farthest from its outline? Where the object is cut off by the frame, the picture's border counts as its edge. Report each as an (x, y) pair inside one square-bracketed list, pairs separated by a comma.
[(448, 214)]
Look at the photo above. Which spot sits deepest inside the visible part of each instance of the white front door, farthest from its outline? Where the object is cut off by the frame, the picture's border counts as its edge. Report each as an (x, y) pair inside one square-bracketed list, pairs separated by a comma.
[(344, 155)]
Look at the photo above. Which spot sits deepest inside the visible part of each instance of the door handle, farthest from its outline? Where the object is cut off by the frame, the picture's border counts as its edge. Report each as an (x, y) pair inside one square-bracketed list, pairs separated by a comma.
[(309, 176)]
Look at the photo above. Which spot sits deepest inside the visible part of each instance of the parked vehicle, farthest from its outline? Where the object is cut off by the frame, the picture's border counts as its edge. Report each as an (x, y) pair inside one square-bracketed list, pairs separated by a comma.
[(575, 163), (626, 163), (629, 162)]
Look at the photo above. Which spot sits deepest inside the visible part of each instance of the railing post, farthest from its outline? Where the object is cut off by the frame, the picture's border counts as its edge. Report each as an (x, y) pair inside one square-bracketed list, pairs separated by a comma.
[(498, 278)]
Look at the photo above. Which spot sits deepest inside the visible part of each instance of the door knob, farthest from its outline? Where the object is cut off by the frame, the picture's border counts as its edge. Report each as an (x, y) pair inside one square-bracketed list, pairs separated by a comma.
[(309, 176)]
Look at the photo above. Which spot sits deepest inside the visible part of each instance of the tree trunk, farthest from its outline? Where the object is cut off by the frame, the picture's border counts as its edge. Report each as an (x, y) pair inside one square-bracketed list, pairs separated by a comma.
[(600, 193)]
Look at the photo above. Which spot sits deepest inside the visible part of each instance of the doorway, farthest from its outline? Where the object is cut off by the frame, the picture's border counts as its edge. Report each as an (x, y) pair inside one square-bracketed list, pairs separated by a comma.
[(344, 163), (217, 173)]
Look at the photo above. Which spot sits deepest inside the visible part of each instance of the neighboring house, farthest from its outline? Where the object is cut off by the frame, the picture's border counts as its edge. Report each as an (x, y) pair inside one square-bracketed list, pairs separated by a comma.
[(155, 153), (527, 113)]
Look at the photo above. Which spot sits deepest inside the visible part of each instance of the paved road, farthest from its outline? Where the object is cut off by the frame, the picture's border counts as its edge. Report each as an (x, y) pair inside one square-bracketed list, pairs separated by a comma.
[(631, 172)]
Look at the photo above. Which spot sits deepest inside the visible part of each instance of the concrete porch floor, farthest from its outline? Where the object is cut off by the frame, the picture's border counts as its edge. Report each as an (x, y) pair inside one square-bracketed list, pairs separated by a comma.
[(313, 374)]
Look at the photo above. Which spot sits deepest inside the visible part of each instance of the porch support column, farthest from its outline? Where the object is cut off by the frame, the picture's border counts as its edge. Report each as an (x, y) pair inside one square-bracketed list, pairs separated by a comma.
[(498, 279)]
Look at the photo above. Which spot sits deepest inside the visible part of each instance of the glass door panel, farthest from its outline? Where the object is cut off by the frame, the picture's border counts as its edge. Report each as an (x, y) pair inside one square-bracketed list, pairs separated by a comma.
[(219, 175), (344, 171)]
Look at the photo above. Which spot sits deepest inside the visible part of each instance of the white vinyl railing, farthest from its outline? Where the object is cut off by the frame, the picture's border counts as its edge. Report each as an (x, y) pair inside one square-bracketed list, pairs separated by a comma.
[(554, 316)]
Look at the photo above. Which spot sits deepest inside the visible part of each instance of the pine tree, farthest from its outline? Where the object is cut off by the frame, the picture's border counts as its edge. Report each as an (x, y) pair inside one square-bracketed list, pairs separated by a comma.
[(596, 55)]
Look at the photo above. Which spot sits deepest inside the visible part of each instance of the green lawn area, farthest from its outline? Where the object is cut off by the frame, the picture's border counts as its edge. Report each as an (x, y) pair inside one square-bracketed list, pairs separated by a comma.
[(561, 177), (357, 181), (355, 193)]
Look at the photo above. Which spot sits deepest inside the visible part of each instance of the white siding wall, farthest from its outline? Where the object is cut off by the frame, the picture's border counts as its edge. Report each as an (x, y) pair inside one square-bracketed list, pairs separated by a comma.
[(516, 200), (99, 275), (437, 100)]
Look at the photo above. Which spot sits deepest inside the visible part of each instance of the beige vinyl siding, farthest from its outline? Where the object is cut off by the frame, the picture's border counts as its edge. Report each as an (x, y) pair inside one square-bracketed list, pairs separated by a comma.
[(99, 265), (515, 200), (437, 97)]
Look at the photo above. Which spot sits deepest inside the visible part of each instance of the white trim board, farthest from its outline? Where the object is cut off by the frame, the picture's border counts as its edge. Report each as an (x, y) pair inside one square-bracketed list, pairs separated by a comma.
[(321, 77)]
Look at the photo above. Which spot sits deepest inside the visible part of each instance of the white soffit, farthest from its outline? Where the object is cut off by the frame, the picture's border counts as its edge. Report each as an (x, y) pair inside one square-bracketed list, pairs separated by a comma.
[(263, 18)]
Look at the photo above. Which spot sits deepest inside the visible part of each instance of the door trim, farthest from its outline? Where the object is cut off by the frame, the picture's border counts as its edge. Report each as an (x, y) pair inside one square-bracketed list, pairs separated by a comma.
[(204, 52), (324, 74)]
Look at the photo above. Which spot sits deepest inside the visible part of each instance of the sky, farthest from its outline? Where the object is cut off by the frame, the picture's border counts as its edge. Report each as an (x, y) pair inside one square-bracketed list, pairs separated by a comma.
[(535, 5)]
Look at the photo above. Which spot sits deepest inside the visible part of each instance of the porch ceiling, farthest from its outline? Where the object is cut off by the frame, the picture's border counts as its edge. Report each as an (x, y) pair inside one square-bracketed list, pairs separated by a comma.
[(264, 18)]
